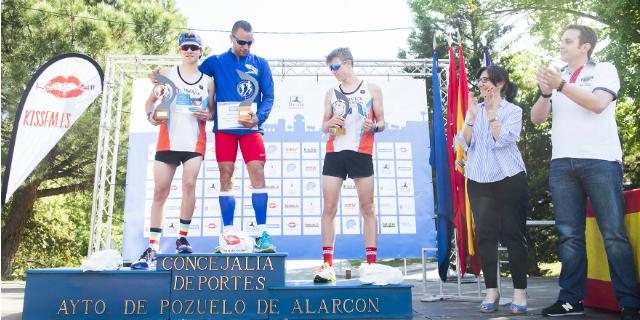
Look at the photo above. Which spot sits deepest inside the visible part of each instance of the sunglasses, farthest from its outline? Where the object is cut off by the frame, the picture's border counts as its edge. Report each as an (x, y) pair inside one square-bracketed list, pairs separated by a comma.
[(187, 47), (335, 66), (243, 42)]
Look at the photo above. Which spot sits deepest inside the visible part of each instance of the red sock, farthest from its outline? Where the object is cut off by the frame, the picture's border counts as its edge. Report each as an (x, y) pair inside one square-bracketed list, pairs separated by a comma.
[(327, 255), (371, 253)]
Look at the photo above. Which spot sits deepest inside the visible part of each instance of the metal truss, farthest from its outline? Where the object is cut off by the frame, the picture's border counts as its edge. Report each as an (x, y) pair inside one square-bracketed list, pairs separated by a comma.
[(120, 70)]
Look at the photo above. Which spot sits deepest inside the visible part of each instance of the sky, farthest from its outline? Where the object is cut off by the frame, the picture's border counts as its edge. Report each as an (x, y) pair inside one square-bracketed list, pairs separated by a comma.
[(305, 16)]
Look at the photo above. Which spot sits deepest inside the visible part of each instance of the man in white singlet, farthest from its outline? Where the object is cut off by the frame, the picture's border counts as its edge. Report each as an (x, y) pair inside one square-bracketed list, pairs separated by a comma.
[(182, 140), (353, 113)]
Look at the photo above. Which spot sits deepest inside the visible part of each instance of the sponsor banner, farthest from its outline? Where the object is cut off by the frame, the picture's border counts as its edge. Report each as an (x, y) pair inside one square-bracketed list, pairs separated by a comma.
[(295, 147), (55, 97)]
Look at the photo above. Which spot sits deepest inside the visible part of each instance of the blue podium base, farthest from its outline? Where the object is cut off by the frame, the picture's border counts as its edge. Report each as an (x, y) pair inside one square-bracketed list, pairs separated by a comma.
[(206, 286)]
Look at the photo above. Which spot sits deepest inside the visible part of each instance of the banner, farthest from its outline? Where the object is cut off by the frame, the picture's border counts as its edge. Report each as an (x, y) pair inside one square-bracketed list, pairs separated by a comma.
[(57, 95), (295, 149)]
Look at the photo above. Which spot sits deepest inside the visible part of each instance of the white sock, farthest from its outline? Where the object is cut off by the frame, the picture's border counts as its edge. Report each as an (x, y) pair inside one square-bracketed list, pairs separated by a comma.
[(227, 229)]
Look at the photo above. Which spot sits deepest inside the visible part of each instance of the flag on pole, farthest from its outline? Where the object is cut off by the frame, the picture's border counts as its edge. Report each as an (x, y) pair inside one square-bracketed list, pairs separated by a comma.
[(465, 216), (487, 58), (438, 160)]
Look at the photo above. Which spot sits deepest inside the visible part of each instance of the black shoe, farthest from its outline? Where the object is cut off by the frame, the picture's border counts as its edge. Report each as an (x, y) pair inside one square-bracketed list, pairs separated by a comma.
[(183, 246), (629, 314), (563, 308)]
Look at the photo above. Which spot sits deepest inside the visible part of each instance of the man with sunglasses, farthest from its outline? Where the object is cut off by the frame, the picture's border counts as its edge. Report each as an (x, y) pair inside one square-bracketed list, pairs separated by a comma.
[(181, 140), (231, 89), (353, 113)]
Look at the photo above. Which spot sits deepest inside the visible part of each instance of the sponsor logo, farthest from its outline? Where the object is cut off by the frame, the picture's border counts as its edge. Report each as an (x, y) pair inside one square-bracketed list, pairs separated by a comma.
[(245, 89), (351, 224), (311, 225), (291, 167), (349, 205), (296, 102), (231, 239), (272, 205), (388, 224), (65, 87), (252, 69), (291, 206), (292, 224), (310, 150)]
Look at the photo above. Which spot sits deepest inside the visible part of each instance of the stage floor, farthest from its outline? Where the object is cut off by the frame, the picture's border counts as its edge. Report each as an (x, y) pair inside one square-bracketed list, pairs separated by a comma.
[(542, 292)]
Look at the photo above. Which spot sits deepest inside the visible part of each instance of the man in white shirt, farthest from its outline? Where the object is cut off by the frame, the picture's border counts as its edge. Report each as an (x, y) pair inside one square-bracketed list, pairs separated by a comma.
[(586, 162)]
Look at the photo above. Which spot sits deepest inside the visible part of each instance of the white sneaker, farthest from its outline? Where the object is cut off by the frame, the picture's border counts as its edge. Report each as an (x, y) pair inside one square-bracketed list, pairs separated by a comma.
[(379, 274), (325, 274)]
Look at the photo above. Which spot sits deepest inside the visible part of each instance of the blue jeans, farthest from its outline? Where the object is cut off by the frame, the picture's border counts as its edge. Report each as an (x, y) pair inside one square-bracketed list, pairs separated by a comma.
[(571, 181)]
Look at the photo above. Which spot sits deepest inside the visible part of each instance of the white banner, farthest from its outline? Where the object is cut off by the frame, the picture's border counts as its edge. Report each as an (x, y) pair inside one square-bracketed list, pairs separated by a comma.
[(295, 148), (57, 95)]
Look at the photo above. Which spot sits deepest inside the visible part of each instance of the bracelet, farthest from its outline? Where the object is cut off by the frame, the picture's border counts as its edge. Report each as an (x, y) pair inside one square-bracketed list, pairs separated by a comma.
[(375, 128), (493, 119), (148, 116), (546, 96), (561, 85), (469, 124)]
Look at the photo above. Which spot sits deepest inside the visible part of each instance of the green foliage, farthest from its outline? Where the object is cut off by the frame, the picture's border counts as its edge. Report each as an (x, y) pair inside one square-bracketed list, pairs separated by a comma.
[(32, 33)]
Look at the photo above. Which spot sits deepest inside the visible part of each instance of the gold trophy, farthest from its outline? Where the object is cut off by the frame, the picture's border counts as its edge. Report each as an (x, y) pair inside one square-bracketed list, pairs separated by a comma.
[(341, 108), (165, 91), (247, 89)]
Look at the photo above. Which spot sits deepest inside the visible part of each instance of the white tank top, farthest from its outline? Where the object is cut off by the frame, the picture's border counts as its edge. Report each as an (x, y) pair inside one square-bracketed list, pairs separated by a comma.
[(183, 131), (355, 107)]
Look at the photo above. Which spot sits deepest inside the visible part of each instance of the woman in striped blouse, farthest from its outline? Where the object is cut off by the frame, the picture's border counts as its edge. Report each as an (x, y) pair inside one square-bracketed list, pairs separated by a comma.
[(497, 182)]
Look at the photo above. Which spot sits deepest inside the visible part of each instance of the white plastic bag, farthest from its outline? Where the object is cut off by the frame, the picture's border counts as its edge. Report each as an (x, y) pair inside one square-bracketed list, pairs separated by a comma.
[(379, 274), (236, 242), (102, 260)]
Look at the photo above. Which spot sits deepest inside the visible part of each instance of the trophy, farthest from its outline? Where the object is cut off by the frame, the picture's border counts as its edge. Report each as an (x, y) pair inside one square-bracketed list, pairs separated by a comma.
[(341, 108), (248, 89), (164, 90)]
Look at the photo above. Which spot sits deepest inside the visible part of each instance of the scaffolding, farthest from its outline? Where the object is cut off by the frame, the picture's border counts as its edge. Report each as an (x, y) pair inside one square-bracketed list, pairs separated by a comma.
[(120, 70)]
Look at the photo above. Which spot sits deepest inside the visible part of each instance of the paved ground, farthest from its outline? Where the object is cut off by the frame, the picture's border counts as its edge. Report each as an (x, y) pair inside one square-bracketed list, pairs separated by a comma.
[(542, 292)]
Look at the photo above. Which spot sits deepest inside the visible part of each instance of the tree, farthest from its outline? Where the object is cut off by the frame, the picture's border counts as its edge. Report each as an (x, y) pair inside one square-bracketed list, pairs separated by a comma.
[(32, 33)]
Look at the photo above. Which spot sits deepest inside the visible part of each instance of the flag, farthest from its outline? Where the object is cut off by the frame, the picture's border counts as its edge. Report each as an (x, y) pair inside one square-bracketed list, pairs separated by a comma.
[(56, 96), (487, 58), (462, 209), (438, 160), (600, 293)]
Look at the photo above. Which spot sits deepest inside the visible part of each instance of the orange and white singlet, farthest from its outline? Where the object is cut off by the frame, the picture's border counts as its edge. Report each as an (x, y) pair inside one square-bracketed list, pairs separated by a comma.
[(355, 107), (183, 131)]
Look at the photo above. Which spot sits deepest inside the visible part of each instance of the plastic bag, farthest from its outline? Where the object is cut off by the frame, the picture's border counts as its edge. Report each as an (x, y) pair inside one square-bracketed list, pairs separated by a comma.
[(379, 274), (102, 260), (236, 242)]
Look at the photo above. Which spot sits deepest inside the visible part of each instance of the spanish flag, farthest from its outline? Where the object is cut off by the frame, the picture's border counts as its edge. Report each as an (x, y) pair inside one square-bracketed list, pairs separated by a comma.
[(600, 292)]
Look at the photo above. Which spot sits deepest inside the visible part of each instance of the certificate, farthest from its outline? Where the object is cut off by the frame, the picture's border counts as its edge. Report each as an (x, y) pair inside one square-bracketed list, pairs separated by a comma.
[(228, 112)]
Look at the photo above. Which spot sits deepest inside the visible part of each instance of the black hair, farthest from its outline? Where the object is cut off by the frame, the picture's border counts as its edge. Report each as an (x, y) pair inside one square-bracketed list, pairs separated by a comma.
[(587, 35), (343, 53), (241, 24), (496, 75)]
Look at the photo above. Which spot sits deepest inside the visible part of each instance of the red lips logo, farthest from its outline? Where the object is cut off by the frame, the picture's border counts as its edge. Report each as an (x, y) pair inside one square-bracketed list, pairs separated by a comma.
[(292, 224), (272, 205), (62, 87), (231, 239)]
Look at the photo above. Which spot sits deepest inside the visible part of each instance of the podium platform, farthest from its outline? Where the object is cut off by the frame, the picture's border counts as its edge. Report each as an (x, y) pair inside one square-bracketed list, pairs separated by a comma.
[(207, 286)]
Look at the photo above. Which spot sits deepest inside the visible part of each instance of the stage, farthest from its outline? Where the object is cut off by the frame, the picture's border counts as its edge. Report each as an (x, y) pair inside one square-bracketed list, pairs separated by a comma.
[(542, 292)]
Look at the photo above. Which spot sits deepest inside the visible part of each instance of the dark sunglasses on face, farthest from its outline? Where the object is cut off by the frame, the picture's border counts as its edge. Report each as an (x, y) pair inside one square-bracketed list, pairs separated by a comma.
[(187, 47), (335, 66), (243, 42)]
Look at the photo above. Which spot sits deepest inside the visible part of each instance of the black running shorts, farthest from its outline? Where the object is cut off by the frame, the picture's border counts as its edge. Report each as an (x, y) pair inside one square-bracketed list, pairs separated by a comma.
[(347, 163), (175, 157)]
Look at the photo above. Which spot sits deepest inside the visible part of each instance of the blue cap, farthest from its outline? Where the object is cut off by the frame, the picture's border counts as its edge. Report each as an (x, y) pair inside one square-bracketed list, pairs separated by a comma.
[(190, 38)]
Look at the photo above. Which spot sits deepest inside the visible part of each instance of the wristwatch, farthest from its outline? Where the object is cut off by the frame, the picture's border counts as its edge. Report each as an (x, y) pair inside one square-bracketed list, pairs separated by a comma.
[(562, 83)]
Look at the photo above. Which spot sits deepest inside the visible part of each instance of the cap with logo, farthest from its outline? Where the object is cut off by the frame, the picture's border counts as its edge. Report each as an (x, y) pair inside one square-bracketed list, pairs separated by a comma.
[(189, 38)]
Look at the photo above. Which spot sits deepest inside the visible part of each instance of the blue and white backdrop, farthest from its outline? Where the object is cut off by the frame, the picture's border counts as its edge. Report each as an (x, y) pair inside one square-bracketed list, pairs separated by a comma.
[(295, 147)]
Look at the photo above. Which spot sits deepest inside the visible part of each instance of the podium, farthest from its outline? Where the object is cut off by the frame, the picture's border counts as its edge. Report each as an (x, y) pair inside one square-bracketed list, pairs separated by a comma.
[(207, 286)]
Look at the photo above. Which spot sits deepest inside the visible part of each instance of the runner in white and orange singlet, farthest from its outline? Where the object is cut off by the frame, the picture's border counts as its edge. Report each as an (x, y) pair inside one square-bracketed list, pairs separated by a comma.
[(353, 113)]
